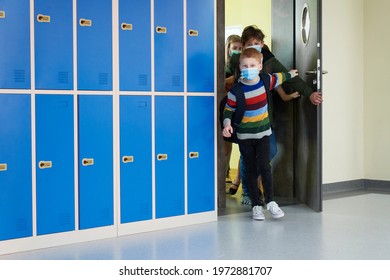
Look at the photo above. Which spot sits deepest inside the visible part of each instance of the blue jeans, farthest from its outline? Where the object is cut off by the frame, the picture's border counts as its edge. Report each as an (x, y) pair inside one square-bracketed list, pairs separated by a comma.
[(273, 150)]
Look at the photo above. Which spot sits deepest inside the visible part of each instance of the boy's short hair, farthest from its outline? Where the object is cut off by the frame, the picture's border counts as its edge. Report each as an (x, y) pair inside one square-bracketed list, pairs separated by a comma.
[(252, 53), (252, 31)]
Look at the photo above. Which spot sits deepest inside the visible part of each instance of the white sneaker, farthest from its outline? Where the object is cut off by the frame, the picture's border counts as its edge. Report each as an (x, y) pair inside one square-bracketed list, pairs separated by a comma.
[(274, 209), (257, 213)]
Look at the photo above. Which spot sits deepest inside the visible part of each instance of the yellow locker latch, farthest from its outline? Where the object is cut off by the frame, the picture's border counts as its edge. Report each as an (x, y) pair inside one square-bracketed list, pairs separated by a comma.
[(126, 26), (162, 157), (2, 14), (3, 167), (127, 159), (45, 164), (85, 22), (43, 18), (161, 29), (193, 33), (194, 154), (87, 161)]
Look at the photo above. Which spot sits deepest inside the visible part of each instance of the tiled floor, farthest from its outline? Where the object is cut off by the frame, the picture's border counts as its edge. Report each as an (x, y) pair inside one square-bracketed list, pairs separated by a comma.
[(354, 227)]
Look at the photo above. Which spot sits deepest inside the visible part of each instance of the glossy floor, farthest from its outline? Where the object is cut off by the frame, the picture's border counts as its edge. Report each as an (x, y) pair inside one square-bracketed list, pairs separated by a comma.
[(352, 227)]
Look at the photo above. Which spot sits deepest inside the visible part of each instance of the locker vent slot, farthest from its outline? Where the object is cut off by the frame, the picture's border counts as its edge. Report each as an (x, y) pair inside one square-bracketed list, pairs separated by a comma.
[(176, 81), (103, 78), (208, 82), (2, 14), (21, 224), (104, 214), (142, 80), (63, 77), (177, 204), (19, 76), (144, 209), (64, 219)]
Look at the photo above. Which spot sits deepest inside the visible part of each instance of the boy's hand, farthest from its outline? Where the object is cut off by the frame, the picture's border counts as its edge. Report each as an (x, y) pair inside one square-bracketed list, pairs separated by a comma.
[(293, 73), (227, 131)]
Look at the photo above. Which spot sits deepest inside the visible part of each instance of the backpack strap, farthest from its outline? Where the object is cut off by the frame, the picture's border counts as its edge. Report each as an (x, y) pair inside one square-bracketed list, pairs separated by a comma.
[(240, 104), (267, 81)]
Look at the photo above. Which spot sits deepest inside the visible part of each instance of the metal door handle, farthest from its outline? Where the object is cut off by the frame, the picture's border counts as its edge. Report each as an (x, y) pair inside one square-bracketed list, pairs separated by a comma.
[(314, 72)]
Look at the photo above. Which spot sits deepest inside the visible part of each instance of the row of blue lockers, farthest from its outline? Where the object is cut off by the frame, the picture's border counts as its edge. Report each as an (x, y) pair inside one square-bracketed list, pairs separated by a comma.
[(53, 148), (54, 39)]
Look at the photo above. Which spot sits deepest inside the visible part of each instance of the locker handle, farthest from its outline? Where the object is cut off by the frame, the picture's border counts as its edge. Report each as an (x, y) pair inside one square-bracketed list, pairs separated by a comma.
[(126, 26), (194, 155), (85, 22), (161, 29), (127, 159), (3, 167), (193, 32), (2, 14), (45, 164), (162, 157), (87, 161), (43, 18)]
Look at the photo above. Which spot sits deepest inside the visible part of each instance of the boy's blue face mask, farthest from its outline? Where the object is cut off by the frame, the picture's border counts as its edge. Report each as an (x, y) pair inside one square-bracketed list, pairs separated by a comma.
[(250, 73)]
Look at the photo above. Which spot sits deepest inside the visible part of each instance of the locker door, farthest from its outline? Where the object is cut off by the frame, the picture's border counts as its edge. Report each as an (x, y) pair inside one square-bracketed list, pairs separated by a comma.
[(168, 45), (169, 130), (53, 44), (15, 167), (95, 161), (15, 44), (200, 139), (55, 163), (134, 45), (94, 44), (136, 158), (200, 45)]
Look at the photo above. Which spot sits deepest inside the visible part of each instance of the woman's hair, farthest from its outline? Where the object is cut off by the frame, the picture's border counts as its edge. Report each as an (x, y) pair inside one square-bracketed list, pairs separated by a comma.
[(251, 31), (231, 39)]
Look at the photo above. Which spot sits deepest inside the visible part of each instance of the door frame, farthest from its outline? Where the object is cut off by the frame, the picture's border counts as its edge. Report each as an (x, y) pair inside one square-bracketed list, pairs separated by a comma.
[(221, 193)]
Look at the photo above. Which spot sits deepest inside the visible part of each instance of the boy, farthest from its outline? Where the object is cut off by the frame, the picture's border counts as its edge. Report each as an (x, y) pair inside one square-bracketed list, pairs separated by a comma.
[(254, 130)]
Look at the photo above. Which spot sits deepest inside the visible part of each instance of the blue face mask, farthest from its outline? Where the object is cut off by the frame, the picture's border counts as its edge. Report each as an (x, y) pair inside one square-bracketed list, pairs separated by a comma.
[(256, 47), (250, 73)]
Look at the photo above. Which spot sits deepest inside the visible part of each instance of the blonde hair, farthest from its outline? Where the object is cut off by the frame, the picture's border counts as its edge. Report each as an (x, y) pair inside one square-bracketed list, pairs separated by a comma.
[(230, 40)]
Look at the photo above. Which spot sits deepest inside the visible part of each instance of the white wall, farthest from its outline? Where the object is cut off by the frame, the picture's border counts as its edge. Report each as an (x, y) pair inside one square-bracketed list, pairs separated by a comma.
[(376, 90), (343, 87)]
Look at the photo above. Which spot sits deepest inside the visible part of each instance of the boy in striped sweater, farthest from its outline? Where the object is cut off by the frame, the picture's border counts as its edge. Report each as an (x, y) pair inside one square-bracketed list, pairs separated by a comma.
[(254, 130)]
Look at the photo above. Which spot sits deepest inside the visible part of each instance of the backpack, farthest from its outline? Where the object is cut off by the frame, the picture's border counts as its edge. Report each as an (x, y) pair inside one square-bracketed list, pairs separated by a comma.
[(240, 106)]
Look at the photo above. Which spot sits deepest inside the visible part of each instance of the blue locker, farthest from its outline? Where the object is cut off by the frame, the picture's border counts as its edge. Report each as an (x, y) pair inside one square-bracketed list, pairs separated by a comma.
[(55, 163), (15, 167), (136, 158), (200, 157), (169, 138), (53, 44), (134, 45), (94, 45), (169, 45), (15, 44), (96, 198), (200, 45)]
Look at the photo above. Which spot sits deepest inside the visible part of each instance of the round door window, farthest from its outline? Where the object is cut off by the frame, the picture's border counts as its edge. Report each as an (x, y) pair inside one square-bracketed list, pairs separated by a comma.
[(305, 25)]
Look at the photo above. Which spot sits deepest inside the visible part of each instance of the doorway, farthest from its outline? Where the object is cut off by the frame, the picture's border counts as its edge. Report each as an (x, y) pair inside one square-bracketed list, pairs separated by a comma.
[(291, 33)]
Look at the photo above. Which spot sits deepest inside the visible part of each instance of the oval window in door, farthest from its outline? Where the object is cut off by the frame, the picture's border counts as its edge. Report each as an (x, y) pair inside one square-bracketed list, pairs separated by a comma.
[(305, 25)]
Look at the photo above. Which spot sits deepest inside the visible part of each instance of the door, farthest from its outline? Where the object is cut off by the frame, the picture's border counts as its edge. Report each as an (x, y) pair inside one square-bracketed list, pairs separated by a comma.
[(308, 123), (53, 44)]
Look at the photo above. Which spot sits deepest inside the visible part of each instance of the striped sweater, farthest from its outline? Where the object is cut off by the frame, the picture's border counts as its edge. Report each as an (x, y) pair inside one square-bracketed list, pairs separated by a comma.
[(256, 123)]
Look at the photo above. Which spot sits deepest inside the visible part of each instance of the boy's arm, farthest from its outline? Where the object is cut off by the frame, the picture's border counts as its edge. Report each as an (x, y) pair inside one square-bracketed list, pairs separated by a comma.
[(279, 78), (230, 107), (297, 84), (286, 97)]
